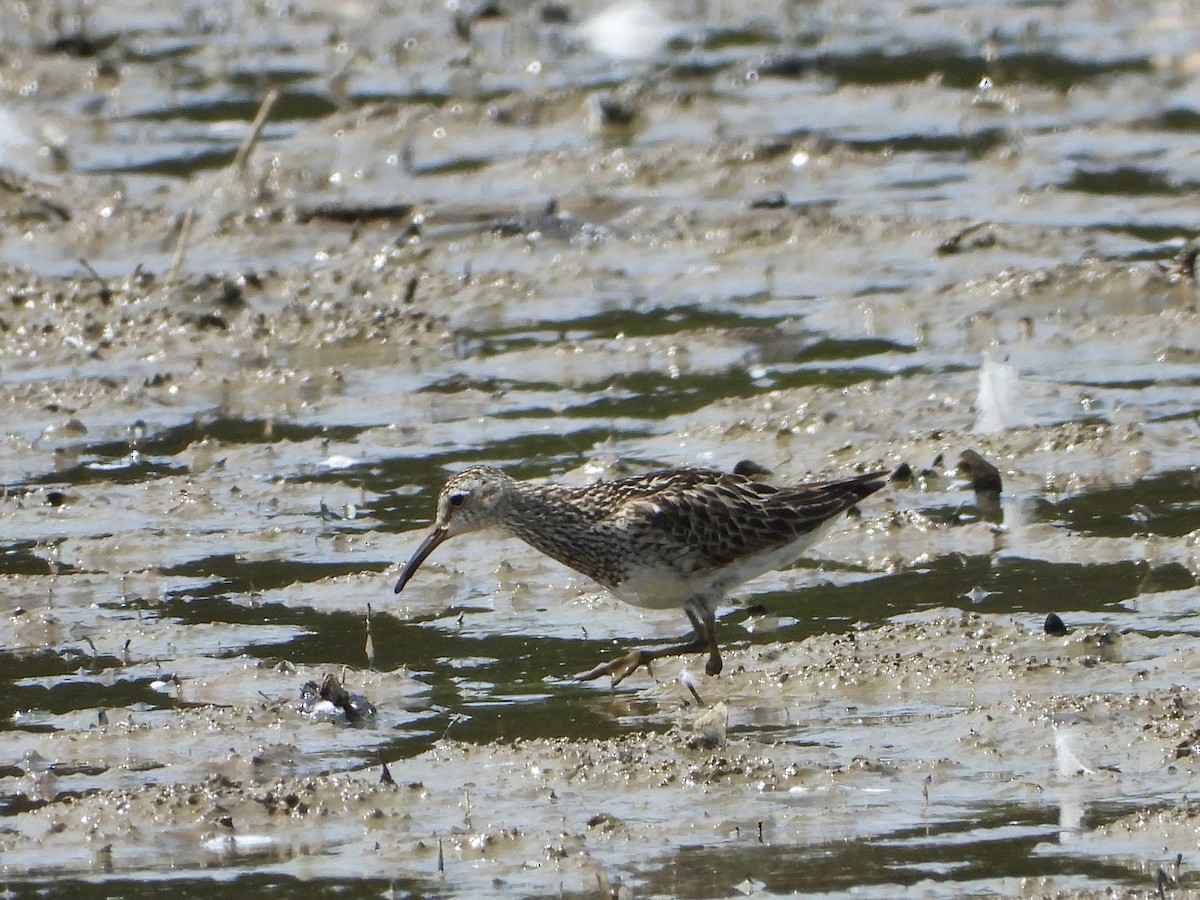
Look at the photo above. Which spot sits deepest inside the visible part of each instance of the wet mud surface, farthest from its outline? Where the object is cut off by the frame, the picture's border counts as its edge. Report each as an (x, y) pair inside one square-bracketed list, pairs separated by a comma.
[(237, 363)]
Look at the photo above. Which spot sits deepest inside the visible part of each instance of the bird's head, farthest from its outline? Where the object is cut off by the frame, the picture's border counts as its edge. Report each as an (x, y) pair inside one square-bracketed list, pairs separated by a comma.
[(471, 500)]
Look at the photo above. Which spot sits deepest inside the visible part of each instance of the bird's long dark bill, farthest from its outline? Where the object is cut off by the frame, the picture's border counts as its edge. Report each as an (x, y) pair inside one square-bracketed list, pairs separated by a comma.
[(428, 545)]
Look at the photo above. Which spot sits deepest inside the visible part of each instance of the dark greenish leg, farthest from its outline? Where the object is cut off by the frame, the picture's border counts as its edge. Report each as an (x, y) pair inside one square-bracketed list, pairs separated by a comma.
[(714, 665)]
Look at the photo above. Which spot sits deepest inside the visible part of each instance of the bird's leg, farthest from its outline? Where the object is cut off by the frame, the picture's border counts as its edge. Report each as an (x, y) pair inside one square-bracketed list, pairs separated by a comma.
[(704, 639), (714, 664)]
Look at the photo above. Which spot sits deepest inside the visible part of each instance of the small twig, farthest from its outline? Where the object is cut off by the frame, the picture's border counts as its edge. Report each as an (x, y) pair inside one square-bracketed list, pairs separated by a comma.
[(686, 678), (251, 139), (370, 647), (105, 293), (185, 233)]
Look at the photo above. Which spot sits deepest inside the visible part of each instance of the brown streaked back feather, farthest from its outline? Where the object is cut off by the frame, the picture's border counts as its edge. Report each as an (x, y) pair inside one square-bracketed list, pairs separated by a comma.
[(720, 517)]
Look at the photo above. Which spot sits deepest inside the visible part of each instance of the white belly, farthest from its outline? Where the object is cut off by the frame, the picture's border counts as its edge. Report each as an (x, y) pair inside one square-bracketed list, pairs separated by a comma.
[(660, 587), (653, 588)]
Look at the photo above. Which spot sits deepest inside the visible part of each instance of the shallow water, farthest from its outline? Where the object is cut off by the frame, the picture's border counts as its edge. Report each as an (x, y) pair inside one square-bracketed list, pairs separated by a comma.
[(811, 236)]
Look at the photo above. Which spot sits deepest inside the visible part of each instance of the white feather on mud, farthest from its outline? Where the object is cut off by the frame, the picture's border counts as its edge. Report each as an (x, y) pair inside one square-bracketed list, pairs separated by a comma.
[(998, 403)]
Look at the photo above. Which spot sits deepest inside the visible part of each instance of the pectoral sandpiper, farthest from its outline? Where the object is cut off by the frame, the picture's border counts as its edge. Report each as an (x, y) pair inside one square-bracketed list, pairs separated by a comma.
[(676, 537)]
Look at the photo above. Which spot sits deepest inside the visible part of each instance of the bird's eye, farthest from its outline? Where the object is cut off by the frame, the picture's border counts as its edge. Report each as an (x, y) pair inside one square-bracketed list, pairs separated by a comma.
[(457, 499)]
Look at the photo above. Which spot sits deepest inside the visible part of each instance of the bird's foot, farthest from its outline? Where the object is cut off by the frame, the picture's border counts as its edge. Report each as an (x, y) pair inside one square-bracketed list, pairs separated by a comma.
[(620, 668), (624, 666)]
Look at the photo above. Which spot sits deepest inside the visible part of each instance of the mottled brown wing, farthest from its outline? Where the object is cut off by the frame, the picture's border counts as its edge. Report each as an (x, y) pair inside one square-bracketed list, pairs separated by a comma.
[(714, 518)]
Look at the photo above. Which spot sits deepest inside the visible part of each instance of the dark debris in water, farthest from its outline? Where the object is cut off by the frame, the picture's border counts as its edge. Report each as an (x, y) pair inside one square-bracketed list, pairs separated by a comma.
[(330, 698), (1054, 626)]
